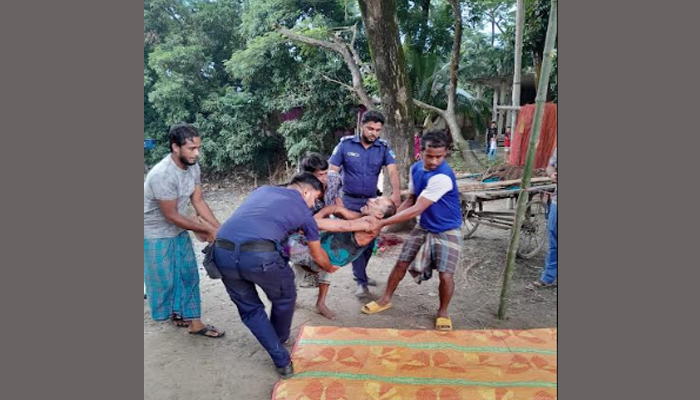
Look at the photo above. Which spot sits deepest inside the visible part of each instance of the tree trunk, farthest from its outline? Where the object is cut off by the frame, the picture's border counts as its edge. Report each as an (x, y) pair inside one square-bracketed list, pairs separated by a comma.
[(519, 25), (527, 172), (503, 101), (379, 17)]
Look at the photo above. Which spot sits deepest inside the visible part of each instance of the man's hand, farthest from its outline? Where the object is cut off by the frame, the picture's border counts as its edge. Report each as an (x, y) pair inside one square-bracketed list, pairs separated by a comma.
[(332, 269), (553, 175), (396, 198), (372, 222)]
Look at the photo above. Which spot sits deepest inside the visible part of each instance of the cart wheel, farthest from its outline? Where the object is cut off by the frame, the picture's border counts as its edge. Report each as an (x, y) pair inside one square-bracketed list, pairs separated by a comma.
[(470, 222), (533, 233)]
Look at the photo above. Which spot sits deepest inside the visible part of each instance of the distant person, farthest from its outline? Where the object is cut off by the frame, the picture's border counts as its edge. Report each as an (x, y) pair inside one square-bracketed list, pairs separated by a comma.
[(416, 145), (436, 242), (170, 268), (493, 147), (506, 142), (492, 131), (549, 275)]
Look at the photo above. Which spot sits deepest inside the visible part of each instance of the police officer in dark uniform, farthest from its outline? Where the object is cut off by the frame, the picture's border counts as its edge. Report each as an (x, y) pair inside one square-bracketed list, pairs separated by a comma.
[(362, 158), (248, 252)]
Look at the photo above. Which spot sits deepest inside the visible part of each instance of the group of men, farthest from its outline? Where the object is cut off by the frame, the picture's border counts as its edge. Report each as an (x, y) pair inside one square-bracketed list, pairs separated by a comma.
[(338, 221)]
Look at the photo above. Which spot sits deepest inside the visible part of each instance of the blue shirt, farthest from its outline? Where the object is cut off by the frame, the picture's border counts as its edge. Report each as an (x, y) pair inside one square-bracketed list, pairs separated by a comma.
[(360, 168), (446, 213), (270, 213)]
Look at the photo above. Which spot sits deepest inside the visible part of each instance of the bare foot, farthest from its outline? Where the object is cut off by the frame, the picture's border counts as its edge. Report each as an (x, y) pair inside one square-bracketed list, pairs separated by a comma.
[(325, 311)]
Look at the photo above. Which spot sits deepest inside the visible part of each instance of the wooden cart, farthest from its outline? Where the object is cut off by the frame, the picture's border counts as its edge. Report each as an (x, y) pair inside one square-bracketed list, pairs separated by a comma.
[(533, 233)]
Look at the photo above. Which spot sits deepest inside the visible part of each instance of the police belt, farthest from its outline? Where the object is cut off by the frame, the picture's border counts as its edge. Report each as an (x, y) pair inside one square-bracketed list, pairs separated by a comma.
[(248, 247)]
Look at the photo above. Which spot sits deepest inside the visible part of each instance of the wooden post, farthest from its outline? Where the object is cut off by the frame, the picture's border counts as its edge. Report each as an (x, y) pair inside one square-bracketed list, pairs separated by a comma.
[(527, 172), (519, 25), (503, 100), (494, 114)]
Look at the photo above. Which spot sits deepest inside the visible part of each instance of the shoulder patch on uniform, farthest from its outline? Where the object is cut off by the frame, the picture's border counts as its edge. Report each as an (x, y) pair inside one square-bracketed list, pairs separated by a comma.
[(392, 153)]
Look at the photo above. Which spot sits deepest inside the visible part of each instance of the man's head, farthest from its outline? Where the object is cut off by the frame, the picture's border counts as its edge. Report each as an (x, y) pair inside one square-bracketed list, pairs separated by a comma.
[(185, 143), (309, 186), (494, 124), (316, 164), (379, 207), (433, 148), (372, 122)]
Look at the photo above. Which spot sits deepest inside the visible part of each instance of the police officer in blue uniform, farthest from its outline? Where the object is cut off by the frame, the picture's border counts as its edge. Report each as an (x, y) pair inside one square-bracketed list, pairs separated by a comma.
[(247, 252), (362, 158)]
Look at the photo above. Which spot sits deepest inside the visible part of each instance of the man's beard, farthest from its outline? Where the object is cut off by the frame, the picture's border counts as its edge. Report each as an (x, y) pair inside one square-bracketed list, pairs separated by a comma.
[(367, 140), (185, 161)]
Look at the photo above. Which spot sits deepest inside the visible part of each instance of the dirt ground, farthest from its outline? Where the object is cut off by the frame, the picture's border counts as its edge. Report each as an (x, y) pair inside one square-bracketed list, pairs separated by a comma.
[(181, 366)]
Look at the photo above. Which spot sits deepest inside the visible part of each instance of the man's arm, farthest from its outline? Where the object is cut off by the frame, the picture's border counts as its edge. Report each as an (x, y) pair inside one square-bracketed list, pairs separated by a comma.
[(408, 213), (320, 257), (410, 201), (340, 225), (552, 173), (169, 210), (202, 207), (334, 168), (395, 183)]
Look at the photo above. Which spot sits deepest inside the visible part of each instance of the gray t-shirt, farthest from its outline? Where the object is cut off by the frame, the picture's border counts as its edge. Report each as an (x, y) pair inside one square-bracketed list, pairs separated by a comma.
[(166, 181)]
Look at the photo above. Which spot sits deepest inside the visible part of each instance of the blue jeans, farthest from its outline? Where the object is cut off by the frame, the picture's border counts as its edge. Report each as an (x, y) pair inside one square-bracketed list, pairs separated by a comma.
[(550, 263), (492, 154), (359, 266), (241, 272)]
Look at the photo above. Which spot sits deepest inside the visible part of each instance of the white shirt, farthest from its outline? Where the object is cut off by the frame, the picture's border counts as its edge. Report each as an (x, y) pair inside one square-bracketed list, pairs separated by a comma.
[(437, 186)]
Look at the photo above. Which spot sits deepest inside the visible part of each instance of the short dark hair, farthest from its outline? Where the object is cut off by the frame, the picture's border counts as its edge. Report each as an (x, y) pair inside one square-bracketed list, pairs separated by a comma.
[(435, 139), (313, 162), (372, 116), (390, 211), (181, 133), (307, 179)]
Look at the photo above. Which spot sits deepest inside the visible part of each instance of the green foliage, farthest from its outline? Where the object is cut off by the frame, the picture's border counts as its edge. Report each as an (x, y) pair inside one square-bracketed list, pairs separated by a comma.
[(220, 66)]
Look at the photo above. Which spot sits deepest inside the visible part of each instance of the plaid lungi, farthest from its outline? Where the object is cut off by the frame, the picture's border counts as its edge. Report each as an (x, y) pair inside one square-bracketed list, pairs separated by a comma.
[(171, 277), (427, 251)]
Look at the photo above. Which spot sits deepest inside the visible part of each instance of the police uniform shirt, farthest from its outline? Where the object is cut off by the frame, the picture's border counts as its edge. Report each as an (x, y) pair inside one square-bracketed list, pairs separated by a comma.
[(361, 168), (270, 213)]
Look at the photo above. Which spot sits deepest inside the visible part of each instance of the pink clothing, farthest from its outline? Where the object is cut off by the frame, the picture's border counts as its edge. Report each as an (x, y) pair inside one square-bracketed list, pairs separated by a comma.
[(416, 146)]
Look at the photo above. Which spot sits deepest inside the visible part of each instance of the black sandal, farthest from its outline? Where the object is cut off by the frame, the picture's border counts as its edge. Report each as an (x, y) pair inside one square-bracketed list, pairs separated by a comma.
[(206, 329)]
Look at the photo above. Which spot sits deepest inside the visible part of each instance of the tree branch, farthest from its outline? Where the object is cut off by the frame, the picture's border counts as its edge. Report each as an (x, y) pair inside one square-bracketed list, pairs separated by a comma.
[(428, 107), (341, 48)]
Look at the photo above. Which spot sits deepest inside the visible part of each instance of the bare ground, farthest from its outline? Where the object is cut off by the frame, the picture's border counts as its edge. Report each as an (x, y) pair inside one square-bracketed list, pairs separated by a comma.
[(181, 366)]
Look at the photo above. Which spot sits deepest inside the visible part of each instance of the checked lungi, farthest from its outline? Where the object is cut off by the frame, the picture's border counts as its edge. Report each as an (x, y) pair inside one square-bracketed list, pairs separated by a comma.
[(171, 277), (427, 251)]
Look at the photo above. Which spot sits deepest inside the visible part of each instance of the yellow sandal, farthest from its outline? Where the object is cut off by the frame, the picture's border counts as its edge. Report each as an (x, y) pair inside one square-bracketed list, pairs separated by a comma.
[(443, 324), (373, 308)]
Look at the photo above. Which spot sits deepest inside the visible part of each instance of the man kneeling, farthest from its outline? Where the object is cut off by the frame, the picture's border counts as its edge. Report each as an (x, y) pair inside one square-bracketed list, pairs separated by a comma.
[(344, 247)]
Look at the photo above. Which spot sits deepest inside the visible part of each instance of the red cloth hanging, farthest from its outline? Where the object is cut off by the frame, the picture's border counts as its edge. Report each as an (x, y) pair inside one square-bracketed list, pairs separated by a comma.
[(520, 138)]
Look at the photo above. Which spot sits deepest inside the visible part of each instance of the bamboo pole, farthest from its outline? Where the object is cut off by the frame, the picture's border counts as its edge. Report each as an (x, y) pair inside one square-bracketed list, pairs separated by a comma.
[(534, 137)]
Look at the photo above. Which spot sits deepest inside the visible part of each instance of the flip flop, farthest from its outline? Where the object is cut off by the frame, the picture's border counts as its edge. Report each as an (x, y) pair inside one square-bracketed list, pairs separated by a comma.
[(373, 308), (443, 324), (208, 328)]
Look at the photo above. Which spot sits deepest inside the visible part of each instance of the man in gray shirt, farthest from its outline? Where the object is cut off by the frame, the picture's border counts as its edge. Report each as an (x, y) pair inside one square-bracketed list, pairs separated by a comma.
[(170, 266)]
